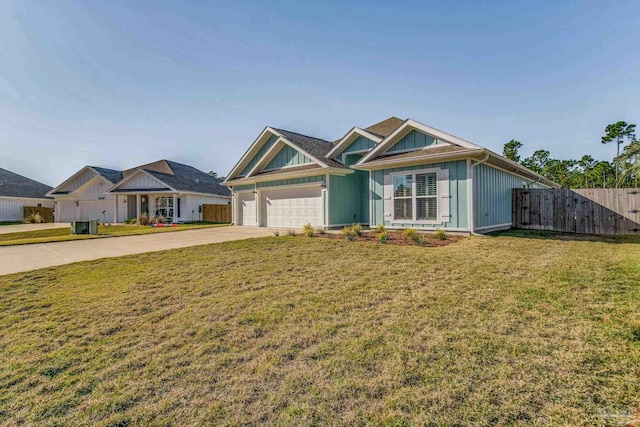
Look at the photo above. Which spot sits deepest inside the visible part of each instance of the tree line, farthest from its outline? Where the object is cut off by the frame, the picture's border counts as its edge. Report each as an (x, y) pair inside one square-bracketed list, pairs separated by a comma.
[(587, 172)]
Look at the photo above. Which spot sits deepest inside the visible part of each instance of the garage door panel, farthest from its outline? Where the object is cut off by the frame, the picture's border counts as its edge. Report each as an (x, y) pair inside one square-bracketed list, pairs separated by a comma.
[(247, 209), (292, 207)]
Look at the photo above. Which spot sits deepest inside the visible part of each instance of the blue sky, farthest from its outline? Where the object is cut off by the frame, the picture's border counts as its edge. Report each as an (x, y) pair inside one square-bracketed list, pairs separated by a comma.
[(121, 83)]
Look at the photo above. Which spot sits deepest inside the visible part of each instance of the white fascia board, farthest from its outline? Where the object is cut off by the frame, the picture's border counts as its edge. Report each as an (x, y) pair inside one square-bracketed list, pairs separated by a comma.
[(424, 159), (130, 177), (268, 156), (414, 125), (349, 138), (75, 175), (251, 151), (288, 175), (27, 198)]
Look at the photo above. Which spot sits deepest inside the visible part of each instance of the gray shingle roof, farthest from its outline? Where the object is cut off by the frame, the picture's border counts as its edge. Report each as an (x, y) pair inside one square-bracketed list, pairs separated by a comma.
[(317, 147), (14, 185), (188, 178), (110, 174)]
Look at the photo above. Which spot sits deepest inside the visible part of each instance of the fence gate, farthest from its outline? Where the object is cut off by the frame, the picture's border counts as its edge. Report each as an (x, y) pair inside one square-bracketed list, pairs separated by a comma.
[(216, 213), (590, 211)]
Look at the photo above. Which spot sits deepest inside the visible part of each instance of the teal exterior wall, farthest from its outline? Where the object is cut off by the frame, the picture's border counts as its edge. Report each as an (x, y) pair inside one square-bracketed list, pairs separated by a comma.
[(244, 187), (359, 144), (263, 150), (458, 190), (413, 140), (288, 156), (492, 195), (292, 181), (348, 199)]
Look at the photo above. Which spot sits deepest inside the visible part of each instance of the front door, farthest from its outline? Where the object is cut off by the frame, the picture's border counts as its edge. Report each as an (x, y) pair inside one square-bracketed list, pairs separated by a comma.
[(132, 209), (144, 204)]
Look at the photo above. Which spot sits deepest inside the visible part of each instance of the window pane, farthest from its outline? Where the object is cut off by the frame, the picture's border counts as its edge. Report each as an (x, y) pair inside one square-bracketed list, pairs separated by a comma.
[(426, 184), (427, 208), (402, 186), (402, 209)]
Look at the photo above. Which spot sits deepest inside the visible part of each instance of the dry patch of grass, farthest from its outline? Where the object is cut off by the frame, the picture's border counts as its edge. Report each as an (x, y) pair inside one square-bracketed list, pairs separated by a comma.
[(64, 234), (293, 331)]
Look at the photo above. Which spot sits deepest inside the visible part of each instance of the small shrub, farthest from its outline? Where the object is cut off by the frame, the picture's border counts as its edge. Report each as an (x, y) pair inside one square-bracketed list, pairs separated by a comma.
[(413, 235), (131, 221), (417, 239), (409, 232), (308, 230), (321, 230), (349, 233), (276, 233), (383, 236), (381, 229), (357, 229), (291, 232), (440, 234), (34, 218), (143, 219)]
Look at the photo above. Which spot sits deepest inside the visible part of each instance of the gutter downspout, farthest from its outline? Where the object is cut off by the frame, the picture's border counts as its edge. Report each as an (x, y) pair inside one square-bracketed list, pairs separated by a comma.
[(472, 213)]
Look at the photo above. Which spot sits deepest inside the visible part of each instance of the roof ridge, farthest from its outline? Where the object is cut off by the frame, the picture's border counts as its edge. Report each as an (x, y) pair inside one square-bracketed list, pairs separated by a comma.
[(301, 134)]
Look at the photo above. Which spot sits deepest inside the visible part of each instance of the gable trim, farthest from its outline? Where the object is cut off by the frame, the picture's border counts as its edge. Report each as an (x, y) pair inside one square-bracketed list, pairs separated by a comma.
[(130, 177), (252, 150), (348, 139), (411, 124), (273, 152), (72, 177)]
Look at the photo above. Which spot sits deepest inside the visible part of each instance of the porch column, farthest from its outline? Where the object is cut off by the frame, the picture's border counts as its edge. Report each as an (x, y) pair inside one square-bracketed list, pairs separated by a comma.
[(175, 207), (138, 206), (115, 211)]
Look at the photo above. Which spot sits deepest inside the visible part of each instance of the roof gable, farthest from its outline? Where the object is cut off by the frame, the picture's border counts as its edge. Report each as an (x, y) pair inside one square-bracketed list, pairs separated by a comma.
[(181, 178), (287, 157), (415, 140), (401, 134), (385, 127), (355, 140), (14, 185), (83, 176)]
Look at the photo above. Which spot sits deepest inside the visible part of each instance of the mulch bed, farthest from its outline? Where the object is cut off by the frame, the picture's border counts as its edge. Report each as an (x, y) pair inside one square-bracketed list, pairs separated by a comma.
[(395, 238)]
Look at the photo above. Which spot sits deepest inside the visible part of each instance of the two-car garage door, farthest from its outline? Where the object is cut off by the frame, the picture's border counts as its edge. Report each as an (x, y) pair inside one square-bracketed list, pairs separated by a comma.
[(292, 207)]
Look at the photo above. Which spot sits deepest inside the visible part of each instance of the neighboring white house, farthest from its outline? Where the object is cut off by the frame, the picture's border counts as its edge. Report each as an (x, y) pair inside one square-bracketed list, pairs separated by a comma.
[(17, 191), (162, 188)]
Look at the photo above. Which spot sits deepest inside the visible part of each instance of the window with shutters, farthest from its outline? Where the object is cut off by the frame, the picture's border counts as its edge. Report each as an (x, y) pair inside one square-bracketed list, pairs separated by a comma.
[(415, 196)]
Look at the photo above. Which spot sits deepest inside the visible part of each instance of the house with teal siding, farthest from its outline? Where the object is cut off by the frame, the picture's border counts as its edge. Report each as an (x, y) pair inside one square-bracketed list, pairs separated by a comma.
[(399, 173)]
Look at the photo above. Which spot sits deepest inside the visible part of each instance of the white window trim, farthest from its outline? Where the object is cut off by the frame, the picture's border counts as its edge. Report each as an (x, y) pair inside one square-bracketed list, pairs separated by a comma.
[(414, 197)]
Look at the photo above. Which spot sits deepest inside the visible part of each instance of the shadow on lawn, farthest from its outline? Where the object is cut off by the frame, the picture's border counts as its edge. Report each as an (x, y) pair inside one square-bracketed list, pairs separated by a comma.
[(554, 235)]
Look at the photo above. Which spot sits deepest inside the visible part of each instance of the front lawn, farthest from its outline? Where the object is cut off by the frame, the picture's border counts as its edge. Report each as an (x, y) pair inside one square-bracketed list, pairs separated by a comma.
[(310, 331), (64, 234)]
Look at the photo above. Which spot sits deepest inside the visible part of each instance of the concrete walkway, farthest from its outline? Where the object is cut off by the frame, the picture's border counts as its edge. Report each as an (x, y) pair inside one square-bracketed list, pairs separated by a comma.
[(14, 259), (19, 228)]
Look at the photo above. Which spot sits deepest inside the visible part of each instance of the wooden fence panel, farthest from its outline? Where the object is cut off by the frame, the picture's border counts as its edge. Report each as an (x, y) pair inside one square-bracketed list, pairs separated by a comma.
[(216, 213), (590, 211), (46, 213)]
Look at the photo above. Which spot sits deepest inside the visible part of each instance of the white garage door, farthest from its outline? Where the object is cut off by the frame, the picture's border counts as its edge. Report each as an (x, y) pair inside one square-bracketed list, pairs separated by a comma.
[(292, 207), (246, 209), (93, 209), (65, 211)]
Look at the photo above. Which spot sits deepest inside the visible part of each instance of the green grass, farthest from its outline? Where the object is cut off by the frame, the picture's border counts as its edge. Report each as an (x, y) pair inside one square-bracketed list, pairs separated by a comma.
[(308, 331), (63, 234)]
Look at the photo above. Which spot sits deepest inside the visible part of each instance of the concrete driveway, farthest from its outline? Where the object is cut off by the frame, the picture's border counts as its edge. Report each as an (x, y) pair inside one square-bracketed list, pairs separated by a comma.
[(14, 259), (19, 228)]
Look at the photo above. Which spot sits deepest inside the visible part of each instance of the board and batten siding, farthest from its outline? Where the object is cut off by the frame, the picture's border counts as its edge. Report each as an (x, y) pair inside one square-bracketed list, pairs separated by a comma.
[(11, 207), (261, 152), (458, 206), (412, 141), (142, 181), (359, 144), (287, 156), (86, 176), (492, 195)]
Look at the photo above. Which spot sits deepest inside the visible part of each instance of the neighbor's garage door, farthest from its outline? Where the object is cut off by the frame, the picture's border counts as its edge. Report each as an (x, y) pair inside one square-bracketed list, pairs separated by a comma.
[(65, 211), (246, 209), (93, 209), (292, 207)]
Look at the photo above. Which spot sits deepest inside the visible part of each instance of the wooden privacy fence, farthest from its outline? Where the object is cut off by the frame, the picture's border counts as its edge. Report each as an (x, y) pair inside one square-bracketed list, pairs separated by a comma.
[(216, 213), (46, 213), (590, 211)]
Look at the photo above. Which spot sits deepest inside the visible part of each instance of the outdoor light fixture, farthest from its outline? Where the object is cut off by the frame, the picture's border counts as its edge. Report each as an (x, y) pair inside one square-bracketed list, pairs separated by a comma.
[(323, 185)]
